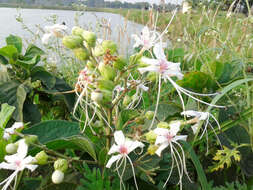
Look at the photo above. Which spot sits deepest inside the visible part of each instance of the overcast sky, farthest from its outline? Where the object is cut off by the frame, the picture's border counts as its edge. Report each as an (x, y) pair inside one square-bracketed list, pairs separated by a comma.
[(149, 1)]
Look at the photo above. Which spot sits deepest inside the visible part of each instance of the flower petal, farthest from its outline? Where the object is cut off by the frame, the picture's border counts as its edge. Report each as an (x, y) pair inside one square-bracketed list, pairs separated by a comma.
[(148, 69), (160, 140), (134, 145), (161, 148), (45, 38), (17, 125), (161, 131), (174, 127), (190, 113), (195, 128), (159, 52), (180, 137), (119, 137), (112, 160), (7, 166), (113, 149), (22, 149)]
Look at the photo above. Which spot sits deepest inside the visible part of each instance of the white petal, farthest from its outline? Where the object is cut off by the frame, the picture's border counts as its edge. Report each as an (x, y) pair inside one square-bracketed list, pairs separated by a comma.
[(161, 148), (113, 149), (31, 167), (161, 131), (203, 115), (180, 137), (134, 145), (138, 41), (45, 38), (22, 149), (11, 158), (145, 33), (119, 137), (112, 160), (175, 127), (143, 87), (6, 136), (148, 69), (7, 166), (195, 128), (17, 125), (159, 52), (150, 61), (161, 140)]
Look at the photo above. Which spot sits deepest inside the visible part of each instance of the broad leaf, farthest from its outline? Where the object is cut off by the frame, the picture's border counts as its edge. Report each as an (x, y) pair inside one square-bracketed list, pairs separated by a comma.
[(15, 41), (9, 51), (28, 63), (5, 115), (3, 60), (39, 73), (32, 51)]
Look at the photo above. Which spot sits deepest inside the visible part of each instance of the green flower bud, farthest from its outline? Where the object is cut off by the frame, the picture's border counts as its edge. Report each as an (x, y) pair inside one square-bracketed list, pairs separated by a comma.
[(90, 38), (109, 45), (149, 115), (81, 54), (163, 125), (41, 158), (107, 72), (152, 76), (127, 99), (139, 120), (61, 164), (11, 148), (72, 42), (106, 85), (77, 31), (97, 96), (90, 65), (98, 51), (134, 59), (107, 96), (57, 177), (120, 63), (30, 139), (151, 137), (152, 149)]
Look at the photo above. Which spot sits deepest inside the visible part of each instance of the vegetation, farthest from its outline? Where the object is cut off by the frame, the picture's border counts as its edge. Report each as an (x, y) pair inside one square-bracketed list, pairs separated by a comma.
[(165, 117)]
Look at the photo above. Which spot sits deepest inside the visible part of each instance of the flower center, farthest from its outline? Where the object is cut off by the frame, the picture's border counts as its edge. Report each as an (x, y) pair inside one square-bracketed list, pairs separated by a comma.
[(163, 66), (145, 42), (18, 163), (169, 137), (123, 149)]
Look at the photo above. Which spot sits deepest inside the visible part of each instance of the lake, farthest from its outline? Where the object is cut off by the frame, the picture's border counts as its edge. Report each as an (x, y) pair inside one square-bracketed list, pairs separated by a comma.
[(106, 25)]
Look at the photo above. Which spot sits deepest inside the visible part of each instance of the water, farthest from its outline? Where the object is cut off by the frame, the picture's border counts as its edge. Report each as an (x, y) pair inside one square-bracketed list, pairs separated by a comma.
[(120, 29)]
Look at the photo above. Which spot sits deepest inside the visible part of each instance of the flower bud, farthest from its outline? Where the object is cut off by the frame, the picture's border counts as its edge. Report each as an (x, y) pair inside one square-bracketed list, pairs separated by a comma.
[(151, 137), (61, 164), (109, 45), (57, 177), (149, 115), (152, 149), (139, 120), (11, 148), (90, 65), (127, 99), (107, 71), (77, 31), (30, 139), (163, 125), (107, 96), (106, 85), (152, 76), (90, 38), (81, 54), (72, 42), (98, 51), (97, 96), (120, 63), (41, 158)]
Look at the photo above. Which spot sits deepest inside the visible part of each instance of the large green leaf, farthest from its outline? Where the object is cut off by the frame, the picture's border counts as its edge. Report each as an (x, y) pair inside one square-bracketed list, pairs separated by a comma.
[(51, 130), (4, 77), (125, 115), (9, 51), (39, 73), (31, 113), (15, 41), (3, 60), (197, 164), (14, 93), (28, 63), (5, 115), (215, 69), (32, 51)]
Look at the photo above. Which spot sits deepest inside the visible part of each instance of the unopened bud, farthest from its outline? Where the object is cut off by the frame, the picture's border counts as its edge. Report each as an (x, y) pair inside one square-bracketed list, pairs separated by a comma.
[(57, 177), (149, 115), (152, 149), (163, 125), (151, 137), (11, 148), (109, 45), (41, 158), (31, 139), (139, 120), (98, 51), (81, 54), (107, 71), (90, 38), (76, 30), (106, 85), (72, 42), (97, 96), (119, 63), (61, 164)]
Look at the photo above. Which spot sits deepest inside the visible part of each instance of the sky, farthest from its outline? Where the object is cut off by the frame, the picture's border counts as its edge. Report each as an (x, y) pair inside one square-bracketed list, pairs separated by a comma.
[(149, 1)]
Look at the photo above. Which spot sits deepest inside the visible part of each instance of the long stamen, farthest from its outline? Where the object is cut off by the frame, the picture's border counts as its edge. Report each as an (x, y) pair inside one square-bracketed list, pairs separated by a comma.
[(171, 169), (133, 172)]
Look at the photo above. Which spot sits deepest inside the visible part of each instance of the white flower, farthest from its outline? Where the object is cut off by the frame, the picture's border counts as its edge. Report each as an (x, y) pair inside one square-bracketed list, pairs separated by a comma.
[(123, 147), (146, 40), (201, 116), (10, 131), (17, 162), (56, 30), (186, 7), (161, 65), (166, 137)]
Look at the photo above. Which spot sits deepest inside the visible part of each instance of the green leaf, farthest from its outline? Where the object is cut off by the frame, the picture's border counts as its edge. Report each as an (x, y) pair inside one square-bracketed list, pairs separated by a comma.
[(3, 60), (28, 63), (126, 115), (4, 77), (5, 114), (51, 130), (215, 69), (197, 164), (39, 73), (32, 51), (9, 51), (31, 113), (176, 55), (3, 144), (15, 41)]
